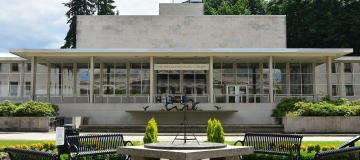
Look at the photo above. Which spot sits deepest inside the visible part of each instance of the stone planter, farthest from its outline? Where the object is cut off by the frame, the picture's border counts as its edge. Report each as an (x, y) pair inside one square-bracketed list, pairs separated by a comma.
[(25, 124), (322, 124)]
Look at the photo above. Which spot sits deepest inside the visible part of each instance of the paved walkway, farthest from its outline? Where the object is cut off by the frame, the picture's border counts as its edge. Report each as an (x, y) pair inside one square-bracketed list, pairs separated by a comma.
[(164, 136)]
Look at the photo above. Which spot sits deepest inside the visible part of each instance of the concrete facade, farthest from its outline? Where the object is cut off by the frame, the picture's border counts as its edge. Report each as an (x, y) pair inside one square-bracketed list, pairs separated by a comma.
[(181, 32), (188, 9), (317, 124), (25, 124)]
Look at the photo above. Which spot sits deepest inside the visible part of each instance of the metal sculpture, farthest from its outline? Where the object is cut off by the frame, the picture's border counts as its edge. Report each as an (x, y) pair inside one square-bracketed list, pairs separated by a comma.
[(146, 108), (185, 124), (217, 107), (169, 109)]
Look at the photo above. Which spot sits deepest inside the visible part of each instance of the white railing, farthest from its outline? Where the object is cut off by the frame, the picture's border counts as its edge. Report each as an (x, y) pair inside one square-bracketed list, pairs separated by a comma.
[(241, 98), (203, 98), (308, 97), (121, 99)]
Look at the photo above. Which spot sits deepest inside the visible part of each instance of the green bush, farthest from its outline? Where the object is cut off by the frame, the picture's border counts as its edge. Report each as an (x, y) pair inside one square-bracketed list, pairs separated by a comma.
[(286, 105), (31, 108), (215, 132), (325, 148), (310, 148), (317, 148), (151, 132)]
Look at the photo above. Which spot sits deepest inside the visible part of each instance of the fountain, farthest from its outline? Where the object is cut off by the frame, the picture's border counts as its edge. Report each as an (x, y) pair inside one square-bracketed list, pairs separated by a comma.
[(185, 145)]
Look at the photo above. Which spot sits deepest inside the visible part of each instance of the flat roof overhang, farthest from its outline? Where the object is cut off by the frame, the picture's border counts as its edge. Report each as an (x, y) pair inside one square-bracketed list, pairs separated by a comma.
[(220, 54)]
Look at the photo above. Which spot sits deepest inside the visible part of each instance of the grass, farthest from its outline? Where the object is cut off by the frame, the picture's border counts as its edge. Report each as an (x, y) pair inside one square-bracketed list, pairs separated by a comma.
[(7, 143)]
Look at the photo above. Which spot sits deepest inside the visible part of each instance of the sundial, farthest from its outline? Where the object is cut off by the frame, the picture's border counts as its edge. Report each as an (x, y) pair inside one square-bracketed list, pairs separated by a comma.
[(185, 145)]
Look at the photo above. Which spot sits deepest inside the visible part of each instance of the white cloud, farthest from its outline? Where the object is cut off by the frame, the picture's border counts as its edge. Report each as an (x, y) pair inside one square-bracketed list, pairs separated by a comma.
[(42, 24)]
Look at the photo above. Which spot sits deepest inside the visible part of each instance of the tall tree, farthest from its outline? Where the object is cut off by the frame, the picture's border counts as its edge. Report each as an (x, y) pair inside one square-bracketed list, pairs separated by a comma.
[(105, 7), (255, 6), (117, 12), (240, 8), (76, 7), (319, 23)]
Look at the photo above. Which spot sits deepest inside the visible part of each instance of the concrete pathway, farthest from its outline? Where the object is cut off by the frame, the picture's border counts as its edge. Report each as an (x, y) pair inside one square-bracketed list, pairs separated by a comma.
[(164, 136)]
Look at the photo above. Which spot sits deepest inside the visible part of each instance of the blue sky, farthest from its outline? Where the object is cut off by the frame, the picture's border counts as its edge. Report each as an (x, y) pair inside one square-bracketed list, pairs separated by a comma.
[(41, 24)]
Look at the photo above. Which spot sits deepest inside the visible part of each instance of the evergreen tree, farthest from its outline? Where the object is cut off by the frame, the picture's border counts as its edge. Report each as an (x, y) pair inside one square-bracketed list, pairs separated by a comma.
[(117, 12), (76, 7), (240, 8), (105, 7)]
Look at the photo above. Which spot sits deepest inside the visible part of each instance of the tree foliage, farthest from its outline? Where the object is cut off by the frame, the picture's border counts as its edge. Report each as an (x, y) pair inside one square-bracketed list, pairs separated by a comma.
[(105, 7), (215, 132), (151, 132), (76, 7), (234, 7), (320, 23), (240, 8)]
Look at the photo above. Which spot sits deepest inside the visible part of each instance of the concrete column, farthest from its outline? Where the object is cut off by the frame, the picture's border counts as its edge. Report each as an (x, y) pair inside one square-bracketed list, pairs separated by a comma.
[(341, 80), (22, 79), (75, 79), (261, 78), (211, 76), (152, 88), (288, 79), (101, 89), (271, 92), (314, 77), (48, 81), (328, 70), (33, 78), (234, 72), (92, 79), (128, 79)]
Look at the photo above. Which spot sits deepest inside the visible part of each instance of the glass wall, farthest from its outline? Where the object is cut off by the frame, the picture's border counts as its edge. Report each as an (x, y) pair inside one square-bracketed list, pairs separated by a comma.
[(223, 74), (248, 74), (140, 78), (352, 79), (61, 78), (83, 79), (194, 82), (301, 78), (168, 82), (114, 78), (10, 78), (41, 78)]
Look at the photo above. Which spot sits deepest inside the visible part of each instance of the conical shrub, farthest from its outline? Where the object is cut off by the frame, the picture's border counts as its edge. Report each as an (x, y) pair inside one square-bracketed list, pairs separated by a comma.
[(151, 132)]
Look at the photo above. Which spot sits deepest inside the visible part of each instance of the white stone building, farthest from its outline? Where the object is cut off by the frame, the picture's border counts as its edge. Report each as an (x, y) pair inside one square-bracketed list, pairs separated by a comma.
[(123, 63)]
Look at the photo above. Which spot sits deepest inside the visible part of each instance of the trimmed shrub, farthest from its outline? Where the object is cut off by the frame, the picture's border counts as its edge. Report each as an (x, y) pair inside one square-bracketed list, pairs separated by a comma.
[(310, 148), (317, 147), (325, 148), (303, 148), (209, 130), (18, 146), (215, 132), (286, 105), (38, 145), (31, 108), (272, 144), (332, 147), (24, 146), (151, 132), (33, 146), (2, 148)]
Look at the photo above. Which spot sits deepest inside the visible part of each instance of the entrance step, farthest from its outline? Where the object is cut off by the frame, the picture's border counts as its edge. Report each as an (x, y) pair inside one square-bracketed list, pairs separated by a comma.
[(176, 128)]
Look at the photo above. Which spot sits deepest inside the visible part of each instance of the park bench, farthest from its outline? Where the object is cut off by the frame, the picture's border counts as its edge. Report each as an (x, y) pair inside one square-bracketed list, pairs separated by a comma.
[(23, 154), (338, 154), (274, 144), (94, 145), (350, 142)]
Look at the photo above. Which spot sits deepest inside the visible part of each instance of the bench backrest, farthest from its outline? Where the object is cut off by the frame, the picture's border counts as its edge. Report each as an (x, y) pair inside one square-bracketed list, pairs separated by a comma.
[(23, 154), (93, 143), (272, 142), (350, 142), (337, 152)]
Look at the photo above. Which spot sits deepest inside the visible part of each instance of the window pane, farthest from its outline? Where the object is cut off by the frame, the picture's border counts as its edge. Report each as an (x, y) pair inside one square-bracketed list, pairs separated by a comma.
[(280, 68), (295, 68), (306, 68), (55, 68), (15, 67), (242, 79), (189, 84), (135, 67), (109, 68), (120, 68), (108, 90), (295, 78), (254, 79), (279, 78), (295, 89), (347, 67), (334, 68), (242, 68), (227, 68), (28, 68), (349, 90), (335, 90), (228, 78), (307, 79), (83, 68), (280, 89), (120, 79), (120, 89), (254, 68), (307, 89)]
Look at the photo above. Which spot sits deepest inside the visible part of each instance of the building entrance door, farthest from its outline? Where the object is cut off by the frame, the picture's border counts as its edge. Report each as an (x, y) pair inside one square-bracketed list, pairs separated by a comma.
[(237, 94)]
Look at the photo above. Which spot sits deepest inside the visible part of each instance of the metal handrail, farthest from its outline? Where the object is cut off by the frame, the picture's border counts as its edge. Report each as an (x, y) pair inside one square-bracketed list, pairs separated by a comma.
[(241, 97)]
